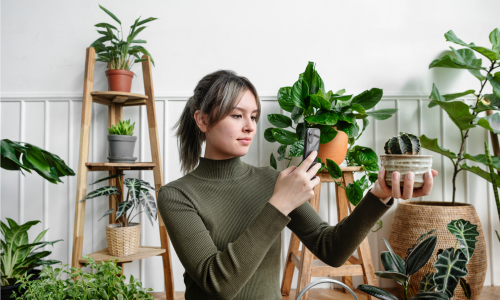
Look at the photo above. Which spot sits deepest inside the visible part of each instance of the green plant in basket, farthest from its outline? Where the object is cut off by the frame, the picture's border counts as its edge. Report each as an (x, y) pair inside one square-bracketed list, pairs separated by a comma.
[(451, 266), (122, 128)]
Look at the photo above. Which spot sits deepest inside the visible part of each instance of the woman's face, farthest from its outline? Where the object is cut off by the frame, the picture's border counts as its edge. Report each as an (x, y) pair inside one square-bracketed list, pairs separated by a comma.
[(232, 135)]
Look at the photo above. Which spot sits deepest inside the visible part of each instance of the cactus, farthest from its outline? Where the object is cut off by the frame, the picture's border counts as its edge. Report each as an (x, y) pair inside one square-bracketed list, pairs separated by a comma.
[(405, 143)]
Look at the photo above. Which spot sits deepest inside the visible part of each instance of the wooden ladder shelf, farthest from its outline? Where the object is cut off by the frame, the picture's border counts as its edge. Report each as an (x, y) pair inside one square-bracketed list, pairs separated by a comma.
[(310, 266), (115, 102)]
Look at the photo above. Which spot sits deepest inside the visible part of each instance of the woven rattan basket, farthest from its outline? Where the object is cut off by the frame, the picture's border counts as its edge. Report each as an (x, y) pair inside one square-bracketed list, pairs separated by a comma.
[(412, 218), (123, 240)]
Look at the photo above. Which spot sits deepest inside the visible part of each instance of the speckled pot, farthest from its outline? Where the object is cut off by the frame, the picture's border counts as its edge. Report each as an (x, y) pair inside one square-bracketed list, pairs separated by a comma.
[(418, 164)]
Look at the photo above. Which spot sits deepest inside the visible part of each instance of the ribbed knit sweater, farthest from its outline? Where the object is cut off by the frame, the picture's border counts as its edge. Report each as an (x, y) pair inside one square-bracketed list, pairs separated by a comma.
[(227, 234)]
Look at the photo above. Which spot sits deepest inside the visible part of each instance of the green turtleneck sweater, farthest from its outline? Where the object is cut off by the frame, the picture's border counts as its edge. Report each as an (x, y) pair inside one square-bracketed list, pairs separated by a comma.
[(227, 234)]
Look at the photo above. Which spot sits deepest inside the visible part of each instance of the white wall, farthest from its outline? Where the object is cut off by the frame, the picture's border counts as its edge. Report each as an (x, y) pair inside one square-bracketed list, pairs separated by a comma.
[(357, 45)]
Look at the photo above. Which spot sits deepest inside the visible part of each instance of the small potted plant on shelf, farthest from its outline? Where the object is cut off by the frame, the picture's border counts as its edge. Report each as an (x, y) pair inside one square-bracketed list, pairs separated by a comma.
[(439, 278), (121, 142), (120, 55), (123, 237), (104, 281), (402, 155), (19, 257)]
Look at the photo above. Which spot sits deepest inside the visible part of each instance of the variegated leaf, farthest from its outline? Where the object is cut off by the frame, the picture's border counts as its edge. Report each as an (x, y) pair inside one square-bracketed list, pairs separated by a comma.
[(134, 189), (427, 283), (107, 178), (146, 184), (103, 191), (107, 213), (123, 207), (466, 234), (450, 266), (148, 202)]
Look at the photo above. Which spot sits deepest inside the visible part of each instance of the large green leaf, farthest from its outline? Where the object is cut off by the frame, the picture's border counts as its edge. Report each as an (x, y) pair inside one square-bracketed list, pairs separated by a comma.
[(451, 37), (432, 144), (354, 193), (377, 292), (134, 189), (10, 157), (382, 114), (369, 98), (450, 97), (321, 117), (388, 262), (333, 168), (399, 264), (110, 14), (282, 152), (459, 113), (268, 135), (468, 57), (300, 90), (284, 136), (123, 207), (103, 191), (398, 277), (420, 255), (300, 130), (481, 158), (466, 234), (465, 59), (285, 98), (328, 133), (491, 123), (279, 120), (495, 39), (427, 283), (149, 204), (450, 266), (495, 83), (296, 114), (297, 149), (480, 172), (430, 296), (272, 161)]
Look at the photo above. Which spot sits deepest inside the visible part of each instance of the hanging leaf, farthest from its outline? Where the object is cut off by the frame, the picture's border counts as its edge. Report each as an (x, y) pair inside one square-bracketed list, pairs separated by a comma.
[(328, 133), (284, 136), (466, 234), (273, 162), (279, 121), (427, 283), (107, 213), (146, 185), (333, 168), (429, 296), (296, 114), (354, 193), (300, 91), (399, 264), (268, 135), (382, 114), (377, 292), (482, 173), (420, 255), (103, 191), (369, 98), (388, 262), (285, 98), (110, 14), (107, 178), (282, 152), (123, 207), (398, 277), (431, 144), (466, 288), (450, 266), (148, 202)]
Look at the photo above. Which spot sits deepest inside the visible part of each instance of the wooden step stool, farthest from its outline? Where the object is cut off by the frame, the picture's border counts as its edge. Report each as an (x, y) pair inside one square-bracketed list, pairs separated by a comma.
[(304, 260)]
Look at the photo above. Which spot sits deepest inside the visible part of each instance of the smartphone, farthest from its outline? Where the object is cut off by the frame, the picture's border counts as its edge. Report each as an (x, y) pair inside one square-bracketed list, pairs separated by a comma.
[(311, 143)]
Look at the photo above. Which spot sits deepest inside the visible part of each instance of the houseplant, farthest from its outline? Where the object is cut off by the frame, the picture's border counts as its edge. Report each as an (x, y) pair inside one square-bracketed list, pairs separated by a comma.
[(27, 157), (123, 237), (335, 114), (18, 256), (121, 142), (402, 155), (120, 55), (450, 266), (105, 281)]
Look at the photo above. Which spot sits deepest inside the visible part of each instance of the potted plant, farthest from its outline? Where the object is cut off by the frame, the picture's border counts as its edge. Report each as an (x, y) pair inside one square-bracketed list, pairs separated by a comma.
[(493, 181), (120, 55), (336, 115), (18, 256), (104, 281), (123, 237), (121, 142), (402, 155), (449, 268)]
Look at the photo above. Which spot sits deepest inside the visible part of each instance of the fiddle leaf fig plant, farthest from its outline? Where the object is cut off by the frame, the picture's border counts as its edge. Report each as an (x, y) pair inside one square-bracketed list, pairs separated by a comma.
[(493, 181), (309, 104), (466, 116), (451, 265)]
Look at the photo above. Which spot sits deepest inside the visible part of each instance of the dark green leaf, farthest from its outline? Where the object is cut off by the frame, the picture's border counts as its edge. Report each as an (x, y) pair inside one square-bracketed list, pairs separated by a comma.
[(328, 133), (284, 136), (482, 173), (280, 121), (149, 204), (382, 114), (110, 14), (300, 91), (388, 262), (103, 25), (431, 144), (297, 149), (333, 168), (398, 277), (354, 193), (300, 130), (296, 114), (273, 162), (459, 113), (429, 296), (107, 213), (103, 191), (377, 292), (369, 98), (282, 152), (134, 189), (490, 122), (357, 107), (466, 286), (399, 263), (351, 130), (450, 266), (350, 118), (108, 177), (123, 207), (145, 21), (315, 101), (466, 234), (268, 135), (423, 236), (420, 255), (373, 177), (342, 97), (285, 98), (427, 283)]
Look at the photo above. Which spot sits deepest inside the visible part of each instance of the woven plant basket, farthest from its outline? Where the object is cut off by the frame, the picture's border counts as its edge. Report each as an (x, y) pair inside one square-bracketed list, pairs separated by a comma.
[(413, 218), (123, 241)]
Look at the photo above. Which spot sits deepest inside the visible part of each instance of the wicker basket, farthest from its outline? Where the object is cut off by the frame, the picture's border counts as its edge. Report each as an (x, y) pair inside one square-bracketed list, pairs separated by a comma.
[(123, 240), (413, 218)]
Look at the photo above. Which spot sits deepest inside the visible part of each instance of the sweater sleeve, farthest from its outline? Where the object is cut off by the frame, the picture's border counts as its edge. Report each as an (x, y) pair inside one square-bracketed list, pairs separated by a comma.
[(335, 244), (221, 274)]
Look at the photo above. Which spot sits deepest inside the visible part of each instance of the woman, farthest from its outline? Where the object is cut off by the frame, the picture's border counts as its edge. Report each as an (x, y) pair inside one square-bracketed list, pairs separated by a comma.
[(224, 217)]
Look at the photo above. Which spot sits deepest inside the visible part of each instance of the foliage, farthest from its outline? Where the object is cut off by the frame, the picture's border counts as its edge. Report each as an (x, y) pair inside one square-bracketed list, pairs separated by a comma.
[(16, 157), (405, 143), (119, 53), (122, 128), (451, 265), (138, 197), (311, 105), (106, 281), (465, 116), (18, 256), (493, 181)]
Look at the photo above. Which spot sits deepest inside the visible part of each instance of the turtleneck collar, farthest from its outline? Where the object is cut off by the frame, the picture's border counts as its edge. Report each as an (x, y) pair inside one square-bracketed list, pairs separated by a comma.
[(212, 169)]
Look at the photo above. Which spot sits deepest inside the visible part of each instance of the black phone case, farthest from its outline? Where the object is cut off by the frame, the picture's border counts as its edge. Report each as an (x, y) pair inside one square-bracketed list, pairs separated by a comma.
[(311, 143)]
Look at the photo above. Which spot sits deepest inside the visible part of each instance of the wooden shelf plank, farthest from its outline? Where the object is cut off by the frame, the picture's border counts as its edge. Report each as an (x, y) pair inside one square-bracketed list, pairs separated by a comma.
[(118, 98), (112, 94), (144, 252), (120, 166)]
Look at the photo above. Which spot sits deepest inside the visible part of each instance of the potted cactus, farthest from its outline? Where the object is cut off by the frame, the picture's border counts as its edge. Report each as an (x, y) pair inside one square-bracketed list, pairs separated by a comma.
[(121, 142), (402, 155)]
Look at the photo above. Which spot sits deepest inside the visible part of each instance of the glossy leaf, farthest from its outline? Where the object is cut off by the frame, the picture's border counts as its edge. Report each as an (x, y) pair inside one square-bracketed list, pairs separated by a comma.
[(480, 172), (423, 236), (351, 129), (398, 277), (282, 152), (491, 123), (468, 57), (450, 266), (285, 98), (103, 191), (399, 264), (420, 255), (296, 114), (377, 292), (430, 296), (134, 189), (354, 193), (328, 133), (382, 114), (268, 135), (450, 97), (466, 234), (427, 283), (300, 130), (300, 90), (279, 120), (107, 178), (333, 169), (369, 98), (297, 149), (273, 162), (466, 288), (284, 136), (459, 113), (431, 144)]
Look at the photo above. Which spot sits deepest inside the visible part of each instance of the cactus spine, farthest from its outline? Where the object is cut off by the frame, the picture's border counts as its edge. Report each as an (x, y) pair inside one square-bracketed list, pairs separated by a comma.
[(405, 143)]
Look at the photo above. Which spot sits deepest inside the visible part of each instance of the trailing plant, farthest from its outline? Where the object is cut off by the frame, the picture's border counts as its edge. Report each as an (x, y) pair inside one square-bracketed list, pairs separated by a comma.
[(404, 143), (138, 197), (120, 54), (493, 181), (18, 255), (105, 281), (451, 265), (27, 157), (311, 105), (122, 128), (465, 116)]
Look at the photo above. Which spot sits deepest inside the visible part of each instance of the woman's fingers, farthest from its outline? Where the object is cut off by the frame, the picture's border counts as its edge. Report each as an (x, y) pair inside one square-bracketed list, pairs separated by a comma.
[(427, 187), (396, 191), (408, 186), (381, 181)]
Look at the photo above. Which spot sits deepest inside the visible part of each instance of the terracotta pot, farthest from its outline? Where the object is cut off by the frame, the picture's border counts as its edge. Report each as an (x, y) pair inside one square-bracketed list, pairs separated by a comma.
[(123, 241), (119, 80), (335, 149), (413, 218), (418, 164)]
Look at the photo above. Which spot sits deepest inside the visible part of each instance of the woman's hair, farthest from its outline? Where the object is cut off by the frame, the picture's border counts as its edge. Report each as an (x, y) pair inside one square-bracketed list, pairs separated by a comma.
[(215, 95)]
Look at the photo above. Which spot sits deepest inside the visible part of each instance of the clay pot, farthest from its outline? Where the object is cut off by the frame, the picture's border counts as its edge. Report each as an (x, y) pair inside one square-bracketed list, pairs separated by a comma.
[(418, 164), (335, 149), (119, 80), (413, 218)]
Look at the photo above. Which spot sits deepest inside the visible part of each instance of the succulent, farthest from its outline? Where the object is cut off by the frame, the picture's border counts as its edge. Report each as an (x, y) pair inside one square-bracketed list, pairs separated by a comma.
[(122, 128), (404, 143)]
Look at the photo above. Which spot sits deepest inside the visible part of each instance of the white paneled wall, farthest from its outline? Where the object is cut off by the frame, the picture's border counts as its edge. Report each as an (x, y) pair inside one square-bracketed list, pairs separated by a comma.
[(53, 123)]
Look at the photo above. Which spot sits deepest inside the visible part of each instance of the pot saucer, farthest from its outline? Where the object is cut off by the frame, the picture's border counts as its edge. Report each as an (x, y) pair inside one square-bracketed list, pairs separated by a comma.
[(116, 159)]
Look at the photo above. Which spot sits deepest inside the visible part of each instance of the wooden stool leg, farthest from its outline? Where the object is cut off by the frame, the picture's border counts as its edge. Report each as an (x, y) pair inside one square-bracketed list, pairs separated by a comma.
[(286, 284), (81, 189), (342, 212)]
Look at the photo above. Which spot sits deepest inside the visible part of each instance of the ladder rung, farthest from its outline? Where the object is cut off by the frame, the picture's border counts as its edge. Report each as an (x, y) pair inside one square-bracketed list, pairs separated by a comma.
[(120, 166)]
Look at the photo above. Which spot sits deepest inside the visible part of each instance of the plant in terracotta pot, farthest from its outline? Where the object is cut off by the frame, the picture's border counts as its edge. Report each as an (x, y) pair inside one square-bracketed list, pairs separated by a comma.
[(336, 115), (447, 273), (121, 142), (402, 155), (123, 236), (120, 55)]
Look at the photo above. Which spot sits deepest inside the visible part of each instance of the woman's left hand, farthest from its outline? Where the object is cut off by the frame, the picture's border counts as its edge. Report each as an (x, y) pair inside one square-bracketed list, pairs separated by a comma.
[(384, 192)]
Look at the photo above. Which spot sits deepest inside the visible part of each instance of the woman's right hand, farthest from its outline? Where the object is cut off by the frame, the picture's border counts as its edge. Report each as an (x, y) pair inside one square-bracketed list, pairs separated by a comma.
[(294, 185)]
